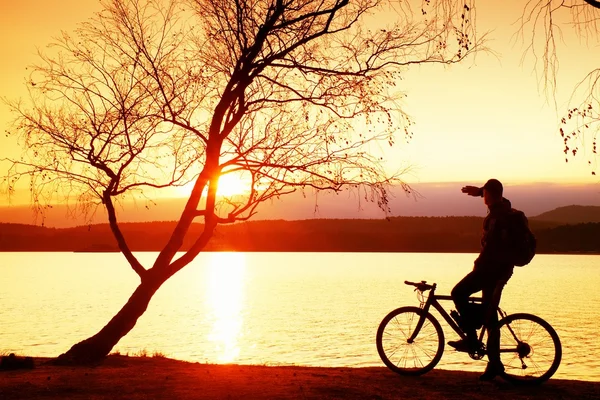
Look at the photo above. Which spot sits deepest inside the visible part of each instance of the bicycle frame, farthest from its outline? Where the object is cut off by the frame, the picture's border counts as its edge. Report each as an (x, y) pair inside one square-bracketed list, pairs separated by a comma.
[(433, 300)]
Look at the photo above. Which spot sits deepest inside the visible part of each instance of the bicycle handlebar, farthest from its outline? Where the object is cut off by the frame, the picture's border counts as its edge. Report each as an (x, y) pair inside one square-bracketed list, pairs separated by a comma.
[(421, 286)]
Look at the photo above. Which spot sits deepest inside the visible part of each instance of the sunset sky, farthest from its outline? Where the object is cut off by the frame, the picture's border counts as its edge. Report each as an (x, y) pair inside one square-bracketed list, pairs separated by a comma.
[(485, 118)]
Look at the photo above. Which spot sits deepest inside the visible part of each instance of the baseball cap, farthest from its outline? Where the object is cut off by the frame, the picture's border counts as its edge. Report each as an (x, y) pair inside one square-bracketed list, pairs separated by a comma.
[(494, 186)]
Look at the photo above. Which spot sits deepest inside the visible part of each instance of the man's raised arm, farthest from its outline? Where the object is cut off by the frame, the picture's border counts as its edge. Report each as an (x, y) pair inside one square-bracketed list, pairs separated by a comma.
[(472, 191)]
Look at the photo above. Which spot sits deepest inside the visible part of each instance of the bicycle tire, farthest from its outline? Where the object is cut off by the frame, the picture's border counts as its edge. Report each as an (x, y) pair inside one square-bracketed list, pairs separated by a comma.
[(425, 351), (538, 353)]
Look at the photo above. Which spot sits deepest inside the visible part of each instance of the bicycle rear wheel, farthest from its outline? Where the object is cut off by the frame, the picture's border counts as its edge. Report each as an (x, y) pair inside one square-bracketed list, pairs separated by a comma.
[(530, 349), (402, 355)]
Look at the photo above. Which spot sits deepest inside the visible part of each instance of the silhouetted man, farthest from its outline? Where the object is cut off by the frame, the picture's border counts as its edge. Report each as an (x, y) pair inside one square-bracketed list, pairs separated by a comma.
[(491, 270)]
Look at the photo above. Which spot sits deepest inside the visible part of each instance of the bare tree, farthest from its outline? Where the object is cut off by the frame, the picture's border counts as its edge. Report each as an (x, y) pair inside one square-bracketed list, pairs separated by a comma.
[(290, 94), (544, 19)]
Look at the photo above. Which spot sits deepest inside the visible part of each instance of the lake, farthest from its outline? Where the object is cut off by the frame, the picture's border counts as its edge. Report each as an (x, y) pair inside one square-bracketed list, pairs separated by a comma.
[(315, 309)]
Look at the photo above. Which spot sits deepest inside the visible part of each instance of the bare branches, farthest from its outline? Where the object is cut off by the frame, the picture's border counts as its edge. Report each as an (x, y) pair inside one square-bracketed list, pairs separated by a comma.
[(105, 115), (544, 18), (581, 126), (289, 94)]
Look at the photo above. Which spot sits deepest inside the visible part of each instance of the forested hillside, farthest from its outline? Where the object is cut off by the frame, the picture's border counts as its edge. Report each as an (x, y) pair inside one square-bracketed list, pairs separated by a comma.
[(571, 215), (400, 234)]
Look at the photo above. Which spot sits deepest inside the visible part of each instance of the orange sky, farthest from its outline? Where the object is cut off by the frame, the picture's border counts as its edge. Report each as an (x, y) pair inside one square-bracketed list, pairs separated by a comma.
[(480, 119), (487, 117)]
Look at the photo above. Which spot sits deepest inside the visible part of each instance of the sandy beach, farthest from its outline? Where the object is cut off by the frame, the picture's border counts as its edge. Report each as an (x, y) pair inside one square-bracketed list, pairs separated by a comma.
[(122, 377)]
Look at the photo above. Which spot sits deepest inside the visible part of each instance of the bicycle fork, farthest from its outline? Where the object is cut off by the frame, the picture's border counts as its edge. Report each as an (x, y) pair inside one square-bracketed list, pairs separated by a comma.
[(425, 309), (523, 349)]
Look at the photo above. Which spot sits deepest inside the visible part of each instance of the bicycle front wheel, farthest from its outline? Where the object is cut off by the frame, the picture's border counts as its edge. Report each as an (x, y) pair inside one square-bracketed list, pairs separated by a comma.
[(402, 354), (530, 349)]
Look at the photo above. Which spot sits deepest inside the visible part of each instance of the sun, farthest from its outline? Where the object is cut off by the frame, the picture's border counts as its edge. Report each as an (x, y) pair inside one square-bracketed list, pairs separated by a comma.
[(230, 184)]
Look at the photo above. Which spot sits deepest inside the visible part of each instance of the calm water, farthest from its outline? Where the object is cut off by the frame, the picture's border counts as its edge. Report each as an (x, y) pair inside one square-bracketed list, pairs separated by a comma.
[(279, 308)]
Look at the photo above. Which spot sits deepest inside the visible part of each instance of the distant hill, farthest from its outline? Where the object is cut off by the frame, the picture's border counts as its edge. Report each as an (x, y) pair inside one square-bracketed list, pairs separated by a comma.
[(398, 234), (573, 214)]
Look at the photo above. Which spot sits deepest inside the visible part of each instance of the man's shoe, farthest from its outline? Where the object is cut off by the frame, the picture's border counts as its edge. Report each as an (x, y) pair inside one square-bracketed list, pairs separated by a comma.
[(491, 371), (466, 346)]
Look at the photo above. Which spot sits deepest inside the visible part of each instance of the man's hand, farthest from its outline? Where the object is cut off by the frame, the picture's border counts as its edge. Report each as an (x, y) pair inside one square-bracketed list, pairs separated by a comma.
[(471, 191)]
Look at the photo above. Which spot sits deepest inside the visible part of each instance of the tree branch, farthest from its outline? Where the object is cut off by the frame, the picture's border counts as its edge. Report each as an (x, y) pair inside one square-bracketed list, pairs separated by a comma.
[(114, 226)]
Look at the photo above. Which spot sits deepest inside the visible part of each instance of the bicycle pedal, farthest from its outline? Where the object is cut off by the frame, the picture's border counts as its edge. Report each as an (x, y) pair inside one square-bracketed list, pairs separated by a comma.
[(479, 353)]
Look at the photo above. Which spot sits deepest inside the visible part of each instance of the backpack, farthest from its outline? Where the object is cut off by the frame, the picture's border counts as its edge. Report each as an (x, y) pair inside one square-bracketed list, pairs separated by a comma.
[(522, 240)]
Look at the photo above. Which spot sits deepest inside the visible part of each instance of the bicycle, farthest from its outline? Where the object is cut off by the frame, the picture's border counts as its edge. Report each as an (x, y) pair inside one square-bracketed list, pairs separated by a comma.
[(410, 340)]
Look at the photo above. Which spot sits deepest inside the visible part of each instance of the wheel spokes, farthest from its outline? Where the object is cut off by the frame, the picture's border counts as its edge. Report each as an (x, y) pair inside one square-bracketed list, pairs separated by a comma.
[(527, 349), (402, 352)]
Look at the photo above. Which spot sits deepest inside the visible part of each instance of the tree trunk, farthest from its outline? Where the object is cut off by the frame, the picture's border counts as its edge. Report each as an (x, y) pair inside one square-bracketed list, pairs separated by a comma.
[(95, 348)]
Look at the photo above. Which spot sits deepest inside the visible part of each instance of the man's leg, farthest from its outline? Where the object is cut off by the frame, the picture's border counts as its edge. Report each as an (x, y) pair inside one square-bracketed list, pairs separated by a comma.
[(470, 284), (491, 296)]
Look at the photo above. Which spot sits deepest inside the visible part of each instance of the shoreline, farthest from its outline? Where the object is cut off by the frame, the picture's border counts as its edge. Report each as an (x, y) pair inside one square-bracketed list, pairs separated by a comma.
[(558, 253), (124, 377)]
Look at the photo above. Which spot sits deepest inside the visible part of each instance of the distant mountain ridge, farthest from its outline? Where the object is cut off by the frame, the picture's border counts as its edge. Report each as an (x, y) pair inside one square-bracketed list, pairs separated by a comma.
[(573, 214), (396, 234)]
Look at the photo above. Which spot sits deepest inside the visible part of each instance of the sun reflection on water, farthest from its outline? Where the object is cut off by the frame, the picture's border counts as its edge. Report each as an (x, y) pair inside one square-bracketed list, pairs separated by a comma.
[(225, 293)]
